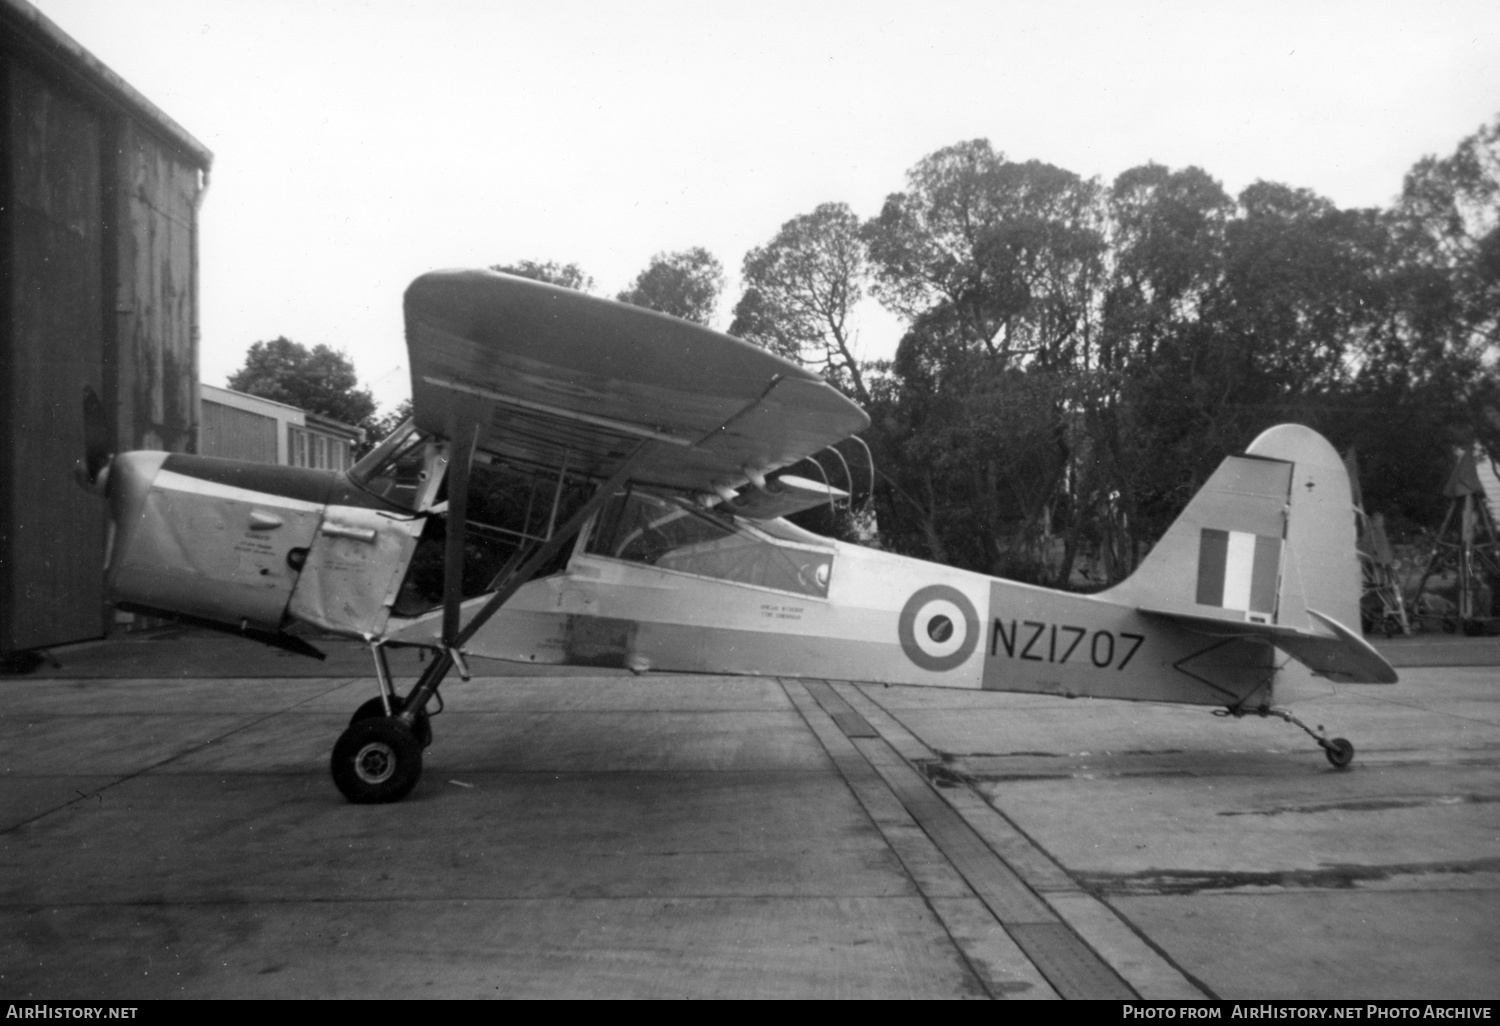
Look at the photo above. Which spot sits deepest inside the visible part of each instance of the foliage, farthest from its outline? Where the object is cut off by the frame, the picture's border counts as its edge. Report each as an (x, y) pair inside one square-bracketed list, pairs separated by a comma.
[(379, 427), (685, 284), (1010, 249), (1079, 358), (320, 380), (1449, 217), (800, 291), (995, 263), (569, 276)]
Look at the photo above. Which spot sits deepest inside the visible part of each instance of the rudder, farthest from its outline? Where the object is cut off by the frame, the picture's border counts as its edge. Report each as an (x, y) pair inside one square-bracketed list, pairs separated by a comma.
[(1322, 566), (1270, 535)]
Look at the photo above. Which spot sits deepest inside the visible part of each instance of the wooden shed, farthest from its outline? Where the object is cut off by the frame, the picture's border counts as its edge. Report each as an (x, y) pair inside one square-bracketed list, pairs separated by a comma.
[(98, 287), (238, 426)]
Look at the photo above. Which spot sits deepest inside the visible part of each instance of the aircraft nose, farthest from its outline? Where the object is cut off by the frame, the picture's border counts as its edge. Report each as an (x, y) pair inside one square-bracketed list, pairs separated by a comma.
[(126, 481)]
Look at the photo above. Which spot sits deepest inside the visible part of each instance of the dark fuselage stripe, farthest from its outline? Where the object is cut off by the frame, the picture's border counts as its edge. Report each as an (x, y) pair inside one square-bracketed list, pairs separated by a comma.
[(302, 483)]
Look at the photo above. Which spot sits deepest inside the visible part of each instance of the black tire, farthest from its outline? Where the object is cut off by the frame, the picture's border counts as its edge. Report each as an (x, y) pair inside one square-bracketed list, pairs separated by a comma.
[(375, 708), (1340, 752), (376, 760)]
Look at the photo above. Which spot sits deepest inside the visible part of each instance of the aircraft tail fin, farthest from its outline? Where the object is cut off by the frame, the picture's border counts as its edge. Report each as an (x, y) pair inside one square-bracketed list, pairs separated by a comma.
[(1266, 550)]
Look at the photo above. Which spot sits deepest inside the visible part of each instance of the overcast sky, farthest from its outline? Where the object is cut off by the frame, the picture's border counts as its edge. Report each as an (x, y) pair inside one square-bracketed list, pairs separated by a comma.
[(358, 144)]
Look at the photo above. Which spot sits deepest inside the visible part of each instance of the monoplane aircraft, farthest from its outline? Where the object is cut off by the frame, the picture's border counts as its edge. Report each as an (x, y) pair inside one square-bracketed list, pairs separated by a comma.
[(589, 483)]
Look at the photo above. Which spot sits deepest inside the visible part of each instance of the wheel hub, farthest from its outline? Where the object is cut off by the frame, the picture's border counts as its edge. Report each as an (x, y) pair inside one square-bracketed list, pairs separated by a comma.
[(375, 763)]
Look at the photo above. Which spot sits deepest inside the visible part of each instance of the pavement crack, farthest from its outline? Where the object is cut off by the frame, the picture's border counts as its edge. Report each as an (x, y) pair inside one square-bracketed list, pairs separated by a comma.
[(192, 747), (1331, 877), (1371, 804)]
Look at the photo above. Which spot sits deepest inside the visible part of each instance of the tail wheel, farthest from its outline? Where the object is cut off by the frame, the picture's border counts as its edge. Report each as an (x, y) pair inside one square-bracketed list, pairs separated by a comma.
[(378, 759), (1340, 752), (375, 708)]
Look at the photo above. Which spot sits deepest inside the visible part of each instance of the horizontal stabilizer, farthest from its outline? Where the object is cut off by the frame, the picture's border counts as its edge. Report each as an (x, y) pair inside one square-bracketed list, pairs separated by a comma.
[(1344, 656)]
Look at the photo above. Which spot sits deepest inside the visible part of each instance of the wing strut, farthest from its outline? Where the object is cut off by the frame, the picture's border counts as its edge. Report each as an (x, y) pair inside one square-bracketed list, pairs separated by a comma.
[(517, 572), (461, 458)]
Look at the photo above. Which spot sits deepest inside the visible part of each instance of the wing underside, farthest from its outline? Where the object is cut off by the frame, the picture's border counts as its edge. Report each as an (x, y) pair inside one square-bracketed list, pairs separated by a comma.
[(555, 378)]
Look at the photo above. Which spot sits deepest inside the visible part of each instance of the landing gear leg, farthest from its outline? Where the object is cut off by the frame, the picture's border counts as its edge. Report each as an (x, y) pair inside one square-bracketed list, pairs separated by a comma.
[(389, 703), (379, 757), (1340, 751)]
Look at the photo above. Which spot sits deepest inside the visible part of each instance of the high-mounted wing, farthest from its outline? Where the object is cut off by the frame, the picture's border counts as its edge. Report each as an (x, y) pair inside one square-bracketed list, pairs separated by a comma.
[(556, 378)]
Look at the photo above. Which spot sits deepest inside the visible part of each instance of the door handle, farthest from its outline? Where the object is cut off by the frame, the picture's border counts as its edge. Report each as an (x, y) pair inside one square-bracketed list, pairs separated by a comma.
[(364, 534)]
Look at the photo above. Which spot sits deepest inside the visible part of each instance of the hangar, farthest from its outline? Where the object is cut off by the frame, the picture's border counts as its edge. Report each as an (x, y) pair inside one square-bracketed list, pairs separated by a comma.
[(99, 288)]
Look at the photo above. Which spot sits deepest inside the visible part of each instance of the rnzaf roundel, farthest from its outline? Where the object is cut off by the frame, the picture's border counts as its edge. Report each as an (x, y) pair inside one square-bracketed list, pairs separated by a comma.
[(938, 628)]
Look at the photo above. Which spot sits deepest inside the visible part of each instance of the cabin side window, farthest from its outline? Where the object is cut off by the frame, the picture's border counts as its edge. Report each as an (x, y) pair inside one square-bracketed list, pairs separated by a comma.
[(671, 535), (511, 512)]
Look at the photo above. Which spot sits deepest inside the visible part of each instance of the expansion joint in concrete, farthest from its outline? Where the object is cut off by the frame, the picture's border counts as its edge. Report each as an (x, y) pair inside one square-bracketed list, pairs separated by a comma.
[(1052, 951)]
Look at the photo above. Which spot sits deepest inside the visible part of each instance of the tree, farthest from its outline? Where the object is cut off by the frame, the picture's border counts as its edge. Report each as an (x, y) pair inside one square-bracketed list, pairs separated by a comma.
[(569, 276), (1166, 249), (320, 380), (1448, 219), (379, 427), (1012, 248), (685, 284), (800, 290), (1165, 232), (996, 265)]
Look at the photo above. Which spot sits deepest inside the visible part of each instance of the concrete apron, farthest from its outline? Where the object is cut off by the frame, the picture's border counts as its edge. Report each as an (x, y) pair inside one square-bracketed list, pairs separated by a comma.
[(732, 837)]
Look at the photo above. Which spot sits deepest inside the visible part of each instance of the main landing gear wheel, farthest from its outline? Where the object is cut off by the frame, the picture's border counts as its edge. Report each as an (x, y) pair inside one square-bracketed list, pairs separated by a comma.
[(375, 708), (1339, 751), (378, 759)]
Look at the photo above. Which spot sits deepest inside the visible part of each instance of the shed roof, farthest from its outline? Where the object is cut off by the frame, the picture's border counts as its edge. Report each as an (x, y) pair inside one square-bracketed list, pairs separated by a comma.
[(251, 403), (26, 30)]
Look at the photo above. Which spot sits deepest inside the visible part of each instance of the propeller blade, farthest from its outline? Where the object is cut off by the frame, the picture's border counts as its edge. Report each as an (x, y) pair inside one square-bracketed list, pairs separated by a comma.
[(96, 454)]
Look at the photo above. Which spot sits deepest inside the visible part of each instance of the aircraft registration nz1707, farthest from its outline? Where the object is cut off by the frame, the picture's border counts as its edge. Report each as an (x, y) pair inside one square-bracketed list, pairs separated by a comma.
[(585, 482)]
